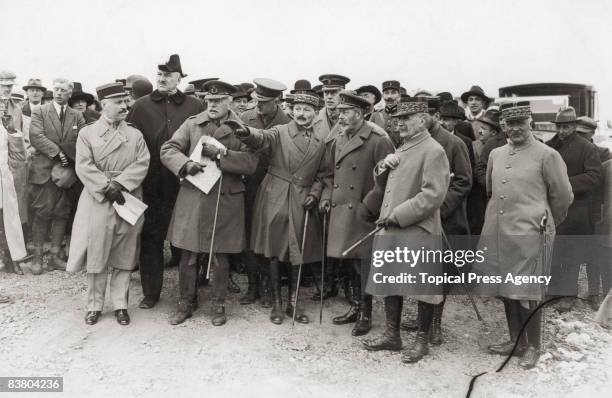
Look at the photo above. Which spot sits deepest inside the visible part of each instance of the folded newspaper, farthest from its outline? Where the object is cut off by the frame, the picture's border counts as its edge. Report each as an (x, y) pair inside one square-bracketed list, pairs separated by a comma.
[(131, 210), (207, 179)]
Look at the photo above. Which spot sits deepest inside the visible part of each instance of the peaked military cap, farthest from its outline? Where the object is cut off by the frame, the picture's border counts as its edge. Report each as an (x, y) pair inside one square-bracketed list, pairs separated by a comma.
[(515, 110), (216, 89), (267, 89), (391, 84), (350, 99), (198, 83), (333, 82), (111, 90), (411, 106)]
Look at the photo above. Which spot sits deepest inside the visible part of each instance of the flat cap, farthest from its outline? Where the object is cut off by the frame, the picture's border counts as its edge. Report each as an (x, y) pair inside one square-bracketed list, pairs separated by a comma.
[(333, 82), (111, 90), (216, 89), (267, 89), (350, 99)]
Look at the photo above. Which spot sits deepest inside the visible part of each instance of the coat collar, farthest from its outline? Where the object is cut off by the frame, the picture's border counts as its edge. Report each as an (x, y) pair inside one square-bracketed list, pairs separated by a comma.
[(354, 142), (414, 141), (558, 143), (203, 120), (178, 98)]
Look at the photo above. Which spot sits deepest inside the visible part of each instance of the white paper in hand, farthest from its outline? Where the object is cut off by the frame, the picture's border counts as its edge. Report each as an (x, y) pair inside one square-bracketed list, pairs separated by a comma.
[(207, 179), (131, 210)]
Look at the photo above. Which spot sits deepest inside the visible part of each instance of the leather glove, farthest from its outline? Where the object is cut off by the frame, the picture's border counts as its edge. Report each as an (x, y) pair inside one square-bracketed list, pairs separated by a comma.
[(210, 151), (63, 159), (240, 130), (309, 202), (112, 193), (324, 206), (365, 214), (387, 222), (192, 168)]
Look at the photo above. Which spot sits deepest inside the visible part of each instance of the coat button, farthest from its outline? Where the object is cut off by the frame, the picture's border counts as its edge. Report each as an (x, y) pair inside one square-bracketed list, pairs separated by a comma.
[(222, 193), (386, 204), (354, 167), (337, 167), (508, 166), (350, 206), (351, 187), (336, 186), (501, 212), (333, 205), (504, 181), (388, 191)]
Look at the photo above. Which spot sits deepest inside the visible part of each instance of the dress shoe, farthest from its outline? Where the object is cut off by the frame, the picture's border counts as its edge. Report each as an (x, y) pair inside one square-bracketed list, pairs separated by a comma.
[(349, 317), (363, 324), (299, 314), (183, 312), (219, 317), (418, 350), (122, 317), (147, 303), (91, 318), (530, 358), (505, 348), (390, 340)]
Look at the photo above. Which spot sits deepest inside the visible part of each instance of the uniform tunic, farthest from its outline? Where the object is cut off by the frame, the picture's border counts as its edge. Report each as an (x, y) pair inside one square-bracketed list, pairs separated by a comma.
[(192, 219), (100, 238), (525, 184), (294, 172)]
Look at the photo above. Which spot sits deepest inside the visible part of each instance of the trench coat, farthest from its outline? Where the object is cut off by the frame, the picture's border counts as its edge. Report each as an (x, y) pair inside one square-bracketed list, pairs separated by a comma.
[(453, 210), (193, 215), (322, 124), (348, 166), (158, 116), (295, 171), (411, 194), (253, 182), (12, 157), (100, 238), (525, 184)]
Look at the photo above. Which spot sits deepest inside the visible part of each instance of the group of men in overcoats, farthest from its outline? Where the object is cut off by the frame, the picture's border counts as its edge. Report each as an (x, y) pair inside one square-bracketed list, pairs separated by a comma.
[(318, 162)]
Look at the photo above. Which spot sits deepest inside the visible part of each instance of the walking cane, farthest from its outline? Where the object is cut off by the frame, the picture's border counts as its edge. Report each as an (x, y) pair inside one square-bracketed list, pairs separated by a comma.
[(360, 241), (212, 238), (543, 223), (323, 260), (297, 287)]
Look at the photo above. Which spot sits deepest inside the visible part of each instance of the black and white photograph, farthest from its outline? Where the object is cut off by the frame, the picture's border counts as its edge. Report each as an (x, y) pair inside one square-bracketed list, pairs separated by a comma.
[(277, 199)]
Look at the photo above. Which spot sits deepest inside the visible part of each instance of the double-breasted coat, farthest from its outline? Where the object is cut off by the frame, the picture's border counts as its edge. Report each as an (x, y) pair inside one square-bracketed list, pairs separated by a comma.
[(295, 171), (100, 238), (191, 224), (525, 184), (411, 194), (349, 162)]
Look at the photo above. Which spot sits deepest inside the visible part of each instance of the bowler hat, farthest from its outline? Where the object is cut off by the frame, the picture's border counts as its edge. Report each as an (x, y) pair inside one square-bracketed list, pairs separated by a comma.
[(565, 115), (372, 90), (452, 109), (172, 64), (79, 94), (585, 124), (301, 85), (34, 83), (333, 82), (131, 79), (140, 88), (267, 89), (491, 117), (216, 89), (475, 91)]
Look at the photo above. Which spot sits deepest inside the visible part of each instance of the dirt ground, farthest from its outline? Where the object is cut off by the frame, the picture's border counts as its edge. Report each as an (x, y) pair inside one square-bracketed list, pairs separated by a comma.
[(43, 333)]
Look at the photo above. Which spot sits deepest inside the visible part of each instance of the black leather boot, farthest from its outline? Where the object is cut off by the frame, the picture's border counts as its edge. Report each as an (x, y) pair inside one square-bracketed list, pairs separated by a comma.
[(390, 339), (219, 317), (534, 334), (420, 348), (435, 335), (353, 312), (292, 289), (364, 320), (183, 312), (513, 318), (276, 316), (330, 288), (252, 293), (410, 325)]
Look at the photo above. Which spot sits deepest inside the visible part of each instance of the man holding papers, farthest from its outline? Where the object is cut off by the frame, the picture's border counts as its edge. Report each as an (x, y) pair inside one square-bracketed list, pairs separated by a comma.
[(200, 216), (111, 161)]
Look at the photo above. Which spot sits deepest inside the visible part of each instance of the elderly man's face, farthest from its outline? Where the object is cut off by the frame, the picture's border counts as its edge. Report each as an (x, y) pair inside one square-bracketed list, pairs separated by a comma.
[(167, 82), (35, 95), (411, 125), (449, 123), (218, 108), (518, 131), (475, 104), (303, 114), (79, 105), (331, 98), (5, 90), (350, 119), (115, 109), (391, 96), (239, 105), (61, 93), (265, 108), (564, 130)]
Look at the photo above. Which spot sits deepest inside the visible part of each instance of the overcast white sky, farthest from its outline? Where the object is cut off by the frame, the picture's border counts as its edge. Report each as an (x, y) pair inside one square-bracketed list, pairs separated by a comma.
[(435, 45)]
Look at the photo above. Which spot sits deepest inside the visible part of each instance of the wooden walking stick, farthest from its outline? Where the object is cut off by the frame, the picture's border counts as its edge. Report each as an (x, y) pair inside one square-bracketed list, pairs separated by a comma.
[(323, 260), (297, 286), (212, 238)]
